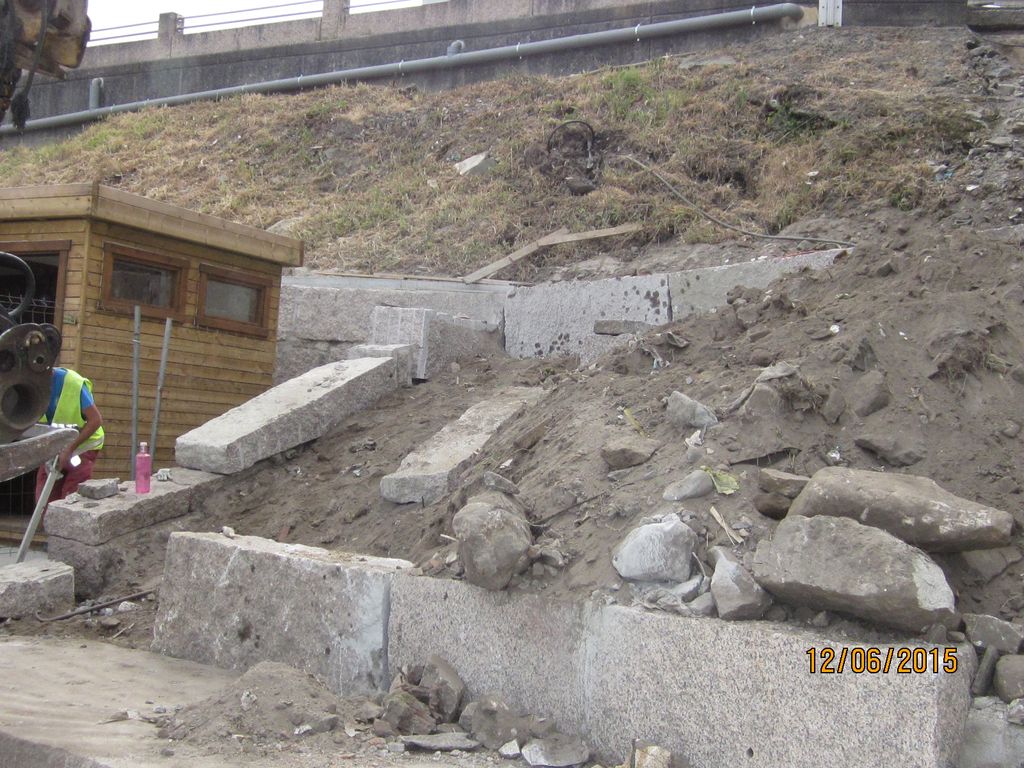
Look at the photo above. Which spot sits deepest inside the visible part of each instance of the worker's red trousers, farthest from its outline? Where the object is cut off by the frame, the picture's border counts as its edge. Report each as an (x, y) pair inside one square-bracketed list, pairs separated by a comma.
[(73, 477)]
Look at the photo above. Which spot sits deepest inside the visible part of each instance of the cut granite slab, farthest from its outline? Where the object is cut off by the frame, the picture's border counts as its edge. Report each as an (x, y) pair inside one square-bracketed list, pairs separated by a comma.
[(428, 473), (292, 413)]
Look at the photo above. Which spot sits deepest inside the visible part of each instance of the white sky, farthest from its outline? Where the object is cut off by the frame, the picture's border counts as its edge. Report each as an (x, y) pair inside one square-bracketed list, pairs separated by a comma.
[(114, 13)]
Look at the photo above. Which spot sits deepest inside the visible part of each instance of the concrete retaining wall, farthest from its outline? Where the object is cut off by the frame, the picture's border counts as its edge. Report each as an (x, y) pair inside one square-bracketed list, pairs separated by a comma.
[(323, 317), (717, 693)]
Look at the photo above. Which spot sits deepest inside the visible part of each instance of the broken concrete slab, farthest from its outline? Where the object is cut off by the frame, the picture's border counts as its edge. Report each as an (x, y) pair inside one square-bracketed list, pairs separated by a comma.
[(837, 564), (438, 339), (915, 509), (36, 586), (97, 522), (558, 318), (706, 289), (402, 354), (325, 613), (292, 413), (790, 718), (427, 474)]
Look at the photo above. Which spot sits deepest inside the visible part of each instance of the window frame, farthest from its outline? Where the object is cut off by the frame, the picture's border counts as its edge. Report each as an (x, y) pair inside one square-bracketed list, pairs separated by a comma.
[(62, 248), (262, 283), (179, 266)]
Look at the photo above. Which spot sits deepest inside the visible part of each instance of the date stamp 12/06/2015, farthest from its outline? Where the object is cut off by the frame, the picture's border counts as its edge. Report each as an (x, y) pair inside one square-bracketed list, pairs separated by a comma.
[(874, 660)]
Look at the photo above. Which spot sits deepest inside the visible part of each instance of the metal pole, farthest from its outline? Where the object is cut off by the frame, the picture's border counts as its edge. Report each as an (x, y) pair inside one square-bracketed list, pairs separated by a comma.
[(136, 350), (52, 476), (160, 387)]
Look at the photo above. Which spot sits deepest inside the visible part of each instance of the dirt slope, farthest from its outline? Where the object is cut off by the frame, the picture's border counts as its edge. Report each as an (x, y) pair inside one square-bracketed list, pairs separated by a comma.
[(907, 143)]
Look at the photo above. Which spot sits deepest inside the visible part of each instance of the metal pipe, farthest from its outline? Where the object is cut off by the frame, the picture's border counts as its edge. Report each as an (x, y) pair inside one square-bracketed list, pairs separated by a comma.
[(53, 474), (96, 93), (507, 52), (136, 352), (160, 386)]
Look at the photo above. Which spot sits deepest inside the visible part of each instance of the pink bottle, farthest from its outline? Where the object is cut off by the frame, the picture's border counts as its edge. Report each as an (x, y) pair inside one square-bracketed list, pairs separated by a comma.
[(143, 468)]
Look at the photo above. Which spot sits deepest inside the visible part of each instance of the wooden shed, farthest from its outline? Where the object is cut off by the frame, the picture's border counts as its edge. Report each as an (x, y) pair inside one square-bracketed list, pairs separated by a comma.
[(97, 252)]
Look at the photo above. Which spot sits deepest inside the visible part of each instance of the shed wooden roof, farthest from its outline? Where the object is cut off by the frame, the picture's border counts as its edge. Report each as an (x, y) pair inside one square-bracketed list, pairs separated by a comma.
[(97, 201)]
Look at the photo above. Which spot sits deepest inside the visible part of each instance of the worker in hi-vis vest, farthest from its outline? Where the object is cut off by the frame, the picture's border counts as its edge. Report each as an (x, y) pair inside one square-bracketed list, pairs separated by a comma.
[(71, 402)]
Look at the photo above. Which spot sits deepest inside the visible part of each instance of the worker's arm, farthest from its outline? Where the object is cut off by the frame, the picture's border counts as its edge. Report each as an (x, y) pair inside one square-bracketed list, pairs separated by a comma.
[(93, 421)]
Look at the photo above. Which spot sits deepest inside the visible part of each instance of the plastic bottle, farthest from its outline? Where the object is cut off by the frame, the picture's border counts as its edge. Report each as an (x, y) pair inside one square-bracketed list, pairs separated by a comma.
[(143, 468)]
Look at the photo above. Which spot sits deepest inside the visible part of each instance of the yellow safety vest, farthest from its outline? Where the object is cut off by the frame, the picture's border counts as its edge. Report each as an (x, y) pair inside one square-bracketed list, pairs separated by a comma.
[(69, 409)]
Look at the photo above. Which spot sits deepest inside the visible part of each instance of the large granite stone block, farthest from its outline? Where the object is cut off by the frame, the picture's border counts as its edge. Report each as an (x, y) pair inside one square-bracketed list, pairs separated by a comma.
[(292, 413), (437, 338), (721, 694), (233, 602), (44, 586), (90, 521), (525, 648), (705, 289), (427, 474), (338, 309), (557, 319)]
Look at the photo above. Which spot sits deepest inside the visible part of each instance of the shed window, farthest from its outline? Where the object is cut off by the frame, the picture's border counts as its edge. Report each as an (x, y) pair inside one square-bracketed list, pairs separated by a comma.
[(233, 301), (141, 283), (153, 282)]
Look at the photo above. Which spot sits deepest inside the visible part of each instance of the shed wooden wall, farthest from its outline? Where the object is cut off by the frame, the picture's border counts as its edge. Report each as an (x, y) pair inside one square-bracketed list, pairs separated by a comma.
[(208, 371)]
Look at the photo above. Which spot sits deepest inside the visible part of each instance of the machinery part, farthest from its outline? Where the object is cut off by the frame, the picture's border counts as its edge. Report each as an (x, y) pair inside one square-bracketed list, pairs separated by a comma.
[(27, 354), (37, 445), (46, 36)]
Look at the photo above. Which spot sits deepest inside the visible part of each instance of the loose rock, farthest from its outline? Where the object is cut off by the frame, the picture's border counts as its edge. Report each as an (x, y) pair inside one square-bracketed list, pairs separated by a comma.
[(736, 594), (913, 508), (1009, 678), (445, 686), (441, 742), (869, 394), (837, 564), (989, 632), (899, 450), (695, 485), (494, 539), (773, 505), (556, 751), (496, 482), (985, 672), (834, 406), (686, 413), (656, 551), (404, 713), (494, 723), (627, 451), (99, 489), (783, 483)]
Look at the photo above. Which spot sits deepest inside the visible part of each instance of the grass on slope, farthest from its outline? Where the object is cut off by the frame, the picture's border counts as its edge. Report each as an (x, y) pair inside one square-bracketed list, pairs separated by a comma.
[(364, 174)]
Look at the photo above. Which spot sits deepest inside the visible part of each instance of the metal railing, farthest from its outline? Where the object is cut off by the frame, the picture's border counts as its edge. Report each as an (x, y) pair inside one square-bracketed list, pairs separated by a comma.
[(206, 22)]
